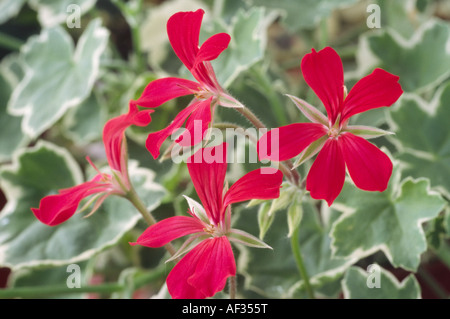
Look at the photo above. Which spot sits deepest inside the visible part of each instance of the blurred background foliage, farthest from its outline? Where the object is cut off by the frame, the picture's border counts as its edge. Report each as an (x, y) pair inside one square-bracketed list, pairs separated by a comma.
[(60, 82)]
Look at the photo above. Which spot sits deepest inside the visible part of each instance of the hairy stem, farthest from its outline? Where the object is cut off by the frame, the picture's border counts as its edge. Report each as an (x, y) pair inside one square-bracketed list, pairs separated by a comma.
[(286, 166), (133, 197), (232, 284), (295, 245)]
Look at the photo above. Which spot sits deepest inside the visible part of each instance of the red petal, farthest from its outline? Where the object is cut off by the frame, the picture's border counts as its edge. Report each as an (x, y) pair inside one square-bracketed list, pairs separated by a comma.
[(56, 209), (212, 48), (254, 185), (327, 174), (368, 167), (183, 29), (215, 265), (197, 124), (177, 280), (155, 139), (169, 229), (160, 91), (207, 169), (378, 89), (114, 133), (291, 140), (324, 73)]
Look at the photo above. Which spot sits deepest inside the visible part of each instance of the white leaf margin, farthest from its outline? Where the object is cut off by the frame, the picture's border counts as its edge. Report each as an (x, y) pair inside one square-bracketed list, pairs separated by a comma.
[(366, 60), (400, 285), (361, 253), (100, 33)]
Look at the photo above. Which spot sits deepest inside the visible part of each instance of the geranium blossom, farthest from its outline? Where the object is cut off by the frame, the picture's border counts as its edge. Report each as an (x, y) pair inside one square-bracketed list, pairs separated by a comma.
[(209, 260), (55, 209), (339, 144), (183, 29)]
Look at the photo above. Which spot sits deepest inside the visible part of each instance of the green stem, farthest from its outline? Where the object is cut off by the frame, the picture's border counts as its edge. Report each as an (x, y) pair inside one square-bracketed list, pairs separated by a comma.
[(232, 283), (56, 290), (286, 166), (295, 245), (10, 42), (52, 290), (133, 197)]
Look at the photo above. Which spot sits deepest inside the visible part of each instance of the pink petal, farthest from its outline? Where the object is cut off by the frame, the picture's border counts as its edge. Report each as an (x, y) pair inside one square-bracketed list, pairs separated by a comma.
[(155, 139), (162, 90), (114, 133), (323, 71), (288, 141), (183, 29), (254, 185), (378, 89), (207, 169), (212, 48), (56, 209), (215, 265), (327, 174), (169, 229), (368, 167), (196, 124)]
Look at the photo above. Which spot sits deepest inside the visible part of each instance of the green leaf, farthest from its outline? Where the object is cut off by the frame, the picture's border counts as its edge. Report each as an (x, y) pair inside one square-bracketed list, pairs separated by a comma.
[(53, 12), (406, 57), (390, 221), (248, 31), (43, 170), (305, 14), (57, 78), (268, 277), (356, 285), (84, 124), (422, 134), (9, 9), (9, 125)]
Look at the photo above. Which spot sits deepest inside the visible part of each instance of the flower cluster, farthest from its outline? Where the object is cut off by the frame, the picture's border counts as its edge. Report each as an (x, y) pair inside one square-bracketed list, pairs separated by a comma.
[(205, 260)]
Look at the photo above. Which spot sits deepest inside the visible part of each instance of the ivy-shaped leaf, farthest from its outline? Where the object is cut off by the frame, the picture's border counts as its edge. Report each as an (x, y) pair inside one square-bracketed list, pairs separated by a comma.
[(57, 78), (10, 72), (53, 12), (43, 170), (422, 62), (305, 14), (422, 134), (390, 221), (378, 283), (267, 276), (248, 31)]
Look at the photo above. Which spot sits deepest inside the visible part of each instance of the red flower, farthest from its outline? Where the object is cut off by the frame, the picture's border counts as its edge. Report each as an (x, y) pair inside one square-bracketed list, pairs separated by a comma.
[(55, 209), (340, 144), (204, 269), (183, 29)]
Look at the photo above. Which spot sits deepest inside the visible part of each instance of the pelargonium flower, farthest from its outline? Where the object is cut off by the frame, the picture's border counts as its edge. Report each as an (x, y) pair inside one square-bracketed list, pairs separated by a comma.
[(183, 29), (339, 144), (56, 209), (209, 260)]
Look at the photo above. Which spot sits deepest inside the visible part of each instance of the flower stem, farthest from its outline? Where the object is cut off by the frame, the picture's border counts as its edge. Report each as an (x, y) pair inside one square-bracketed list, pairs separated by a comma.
[(232, 283), (133, 197), (295, 245), (286, 166)]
